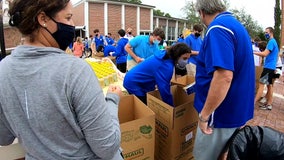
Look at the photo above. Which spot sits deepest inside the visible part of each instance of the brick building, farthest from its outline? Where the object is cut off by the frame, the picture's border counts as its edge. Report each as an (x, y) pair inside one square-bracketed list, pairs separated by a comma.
[(109, 16)]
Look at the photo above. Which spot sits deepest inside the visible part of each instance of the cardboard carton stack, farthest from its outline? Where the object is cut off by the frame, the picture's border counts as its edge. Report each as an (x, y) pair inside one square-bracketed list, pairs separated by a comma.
[(175, 126)]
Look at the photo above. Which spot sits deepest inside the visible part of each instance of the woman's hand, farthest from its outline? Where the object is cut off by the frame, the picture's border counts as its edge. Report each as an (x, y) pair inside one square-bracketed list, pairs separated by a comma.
[(115, 89)]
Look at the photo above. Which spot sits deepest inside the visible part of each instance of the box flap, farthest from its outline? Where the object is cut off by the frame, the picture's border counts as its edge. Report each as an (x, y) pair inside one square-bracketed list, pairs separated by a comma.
[(182, 81)]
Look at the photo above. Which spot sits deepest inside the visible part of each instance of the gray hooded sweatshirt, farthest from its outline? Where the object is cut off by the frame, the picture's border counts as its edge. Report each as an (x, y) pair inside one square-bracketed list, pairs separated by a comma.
[(52, 102)]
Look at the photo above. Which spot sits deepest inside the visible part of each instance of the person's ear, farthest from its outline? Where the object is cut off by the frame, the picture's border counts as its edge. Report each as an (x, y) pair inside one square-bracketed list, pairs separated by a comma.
[(42, 19)]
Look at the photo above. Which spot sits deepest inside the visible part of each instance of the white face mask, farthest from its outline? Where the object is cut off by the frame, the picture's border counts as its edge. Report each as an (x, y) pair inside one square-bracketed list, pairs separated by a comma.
[(156, 41), (181, 63)]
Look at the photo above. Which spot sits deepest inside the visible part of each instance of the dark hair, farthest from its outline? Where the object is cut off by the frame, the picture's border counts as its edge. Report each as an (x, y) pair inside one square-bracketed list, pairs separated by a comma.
[(198, 27), (96, 30), (271, 30), (23, 13), (159, 32), (177, 50), (262, 45), (121, 32), (100, 48)]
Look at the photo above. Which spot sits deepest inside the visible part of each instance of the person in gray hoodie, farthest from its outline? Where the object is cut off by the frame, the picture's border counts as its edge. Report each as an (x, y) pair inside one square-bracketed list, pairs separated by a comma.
[(51, 101)]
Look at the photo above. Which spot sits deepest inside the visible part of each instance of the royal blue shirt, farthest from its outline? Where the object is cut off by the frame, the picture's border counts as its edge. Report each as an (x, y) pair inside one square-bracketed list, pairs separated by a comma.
[(108, 49), (152, 71), (99, 41), (120, 52), (272, 57), (194, 43), (109, 40), (227, 45), (142, 47)]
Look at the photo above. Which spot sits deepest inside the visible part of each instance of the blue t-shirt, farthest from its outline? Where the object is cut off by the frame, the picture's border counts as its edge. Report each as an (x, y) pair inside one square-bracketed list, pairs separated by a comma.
[(194, 43), (180, 39), (272, 57), (153, 71), (227, 45), (142, 47), (99, 41), (120, 52), (109, 41), (108, 49)]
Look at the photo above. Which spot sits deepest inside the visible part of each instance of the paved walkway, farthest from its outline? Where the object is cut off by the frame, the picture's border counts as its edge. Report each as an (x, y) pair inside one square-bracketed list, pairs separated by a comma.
[(275, 117)]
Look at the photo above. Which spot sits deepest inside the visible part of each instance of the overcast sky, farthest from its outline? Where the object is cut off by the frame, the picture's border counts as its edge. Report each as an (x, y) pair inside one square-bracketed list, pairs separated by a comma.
[(261, 10)]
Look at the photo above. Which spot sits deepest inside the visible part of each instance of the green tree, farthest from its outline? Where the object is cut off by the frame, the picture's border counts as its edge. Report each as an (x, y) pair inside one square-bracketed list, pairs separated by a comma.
[(190, 13), (251, 25), (277, 19), (160, 13), (131, 1)]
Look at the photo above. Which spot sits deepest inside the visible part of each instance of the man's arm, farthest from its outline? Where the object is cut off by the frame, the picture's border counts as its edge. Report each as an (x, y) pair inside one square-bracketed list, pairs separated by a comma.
[(129, 50), (93, 47), (218, 90), (262, 54)]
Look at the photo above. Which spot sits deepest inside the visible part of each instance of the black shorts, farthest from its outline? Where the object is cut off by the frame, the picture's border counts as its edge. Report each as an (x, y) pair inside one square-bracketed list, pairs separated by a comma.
[(277, 75), (267, 76)]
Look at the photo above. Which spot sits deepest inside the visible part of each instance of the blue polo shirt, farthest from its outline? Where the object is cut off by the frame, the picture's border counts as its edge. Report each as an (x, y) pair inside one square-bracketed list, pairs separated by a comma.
[(99, 41), (227, 45), (142, 47), (272, 57), (194, 43), (153, 71)]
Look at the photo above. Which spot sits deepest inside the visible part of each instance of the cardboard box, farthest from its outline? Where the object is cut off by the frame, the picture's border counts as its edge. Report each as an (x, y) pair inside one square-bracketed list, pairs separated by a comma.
[(175, 126), (137, 124), (258, 71), (182, 81)]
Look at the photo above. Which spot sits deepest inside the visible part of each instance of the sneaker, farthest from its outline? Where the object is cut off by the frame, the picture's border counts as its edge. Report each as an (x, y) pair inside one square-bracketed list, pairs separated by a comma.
[(265, 107), (263, 100), (269, 107)]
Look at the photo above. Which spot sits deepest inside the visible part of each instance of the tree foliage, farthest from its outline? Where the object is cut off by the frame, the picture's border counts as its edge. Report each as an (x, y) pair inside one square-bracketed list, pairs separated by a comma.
[(160, 13), (131, 1), (277, 19), (251, 25), (191, 13)]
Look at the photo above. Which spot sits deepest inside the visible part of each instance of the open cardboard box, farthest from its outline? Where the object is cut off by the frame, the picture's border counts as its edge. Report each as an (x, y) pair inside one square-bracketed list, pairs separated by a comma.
[(137, 124), (175, 126)]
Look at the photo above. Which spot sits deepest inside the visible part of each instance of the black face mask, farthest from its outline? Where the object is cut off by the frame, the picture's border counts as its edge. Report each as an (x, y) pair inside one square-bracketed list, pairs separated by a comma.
[(197, 34), (64, 34)]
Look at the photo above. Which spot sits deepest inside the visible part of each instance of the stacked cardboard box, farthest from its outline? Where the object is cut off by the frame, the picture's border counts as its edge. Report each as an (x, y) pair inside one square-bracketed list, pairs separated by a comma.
[(175, 126)]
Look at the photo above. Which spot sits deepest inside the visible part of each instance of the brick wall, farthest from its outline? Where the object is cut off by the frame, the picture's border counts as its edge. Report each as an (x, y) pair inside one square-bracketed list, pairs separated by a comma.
[(78, 15), (131, 18), (114, 19), (145, 18), (96, 17)]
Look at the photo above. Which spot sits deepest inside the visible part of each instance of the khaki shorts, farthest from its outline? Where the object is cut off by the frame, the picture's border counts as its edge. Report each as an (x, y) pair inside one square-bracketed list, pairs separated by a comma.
[(130, 64)]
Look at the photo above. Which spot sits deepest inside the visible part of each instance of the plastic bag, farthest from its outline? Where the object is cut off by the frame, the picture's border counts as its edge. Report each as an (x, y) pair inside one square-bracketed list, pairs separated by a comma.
[(254, 143)]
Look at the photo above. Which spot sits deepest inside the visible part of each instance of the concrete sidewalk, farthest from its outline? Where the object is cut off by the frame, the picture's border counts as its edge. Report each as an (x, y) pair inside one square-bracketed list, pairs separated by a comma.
[(273, 118)]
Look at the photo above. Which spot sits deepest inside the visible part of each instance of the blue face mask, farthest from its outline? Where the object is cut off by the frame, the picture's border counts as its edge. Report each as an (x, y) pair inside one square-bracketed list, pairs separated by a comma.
[(156, 41), (267, 35), (182, 63), (64, 34)]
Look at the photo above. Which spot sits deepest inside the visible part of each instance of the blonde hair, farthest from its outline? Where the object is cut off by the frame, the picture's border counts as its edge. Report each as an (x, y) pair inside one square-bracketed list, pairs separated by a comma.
[(79, 40)]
